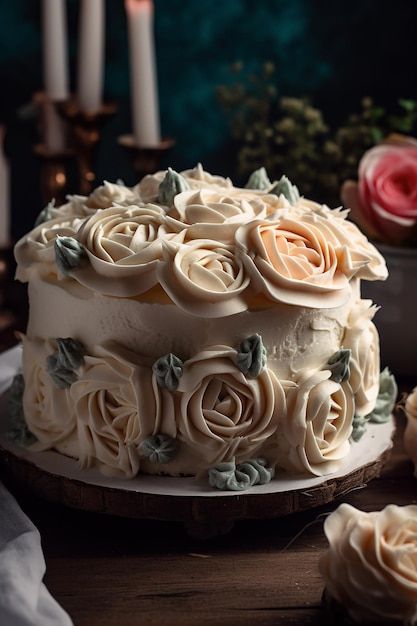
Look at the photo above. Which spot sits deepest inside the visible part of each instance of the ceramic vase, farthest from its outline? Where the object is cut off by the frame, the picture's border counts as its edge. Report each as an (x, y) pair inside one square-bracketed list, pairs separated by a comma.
[(396, 320)]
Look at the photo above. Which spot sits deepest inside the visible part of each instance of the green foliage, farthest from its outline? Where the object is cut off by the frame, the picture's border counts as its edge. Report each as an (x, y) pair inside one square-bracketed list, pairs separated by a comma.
[(289, 136)]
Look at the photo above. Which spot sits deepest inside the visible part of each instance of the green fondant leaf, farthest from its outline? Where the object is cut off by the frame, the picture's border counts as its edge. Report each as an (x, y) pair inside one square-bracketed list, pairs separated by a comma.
[(251, 356), (159, 448), (168, 371), (338, 364)]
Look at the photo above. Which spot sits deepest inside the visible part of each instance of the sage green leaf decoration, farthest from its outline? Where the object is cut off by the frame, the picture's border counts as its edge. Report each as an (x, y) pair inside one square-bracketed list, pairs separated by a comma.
[(258, 180), (45, 215), (338, 364), (387, 397), (172, 184), (287, 189), (17, 430), (168, 371), (159, 448), (63, 362), (70, 254), (228, 476), (359, 425), (251, 356)]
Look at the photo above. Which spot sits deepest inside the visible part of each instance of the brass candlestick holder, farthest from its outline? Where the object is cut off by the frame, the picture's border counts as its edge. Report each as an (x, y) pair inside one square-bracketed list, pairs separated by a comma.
[(146, 159), (54, 176), (85, 128)]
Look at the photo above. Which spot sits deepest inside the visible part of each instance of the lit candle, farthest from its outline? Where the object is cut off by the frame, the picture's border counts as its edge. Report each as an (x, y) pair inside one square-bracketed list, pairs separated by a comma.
[(55, 57), (91, 55), (4, 195), (144, 91)]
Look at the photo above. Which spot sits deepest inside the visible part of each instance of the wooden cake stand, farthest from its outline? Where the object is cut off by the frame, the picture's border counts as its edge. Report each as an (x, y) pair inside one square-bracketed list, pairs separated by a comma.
[(204, 510)]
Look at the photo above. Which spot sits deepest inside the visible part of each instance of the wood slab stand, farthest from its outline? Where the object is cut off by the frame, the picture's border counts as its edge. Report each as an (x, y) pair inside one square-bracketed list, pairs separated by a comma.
[(203, 516)]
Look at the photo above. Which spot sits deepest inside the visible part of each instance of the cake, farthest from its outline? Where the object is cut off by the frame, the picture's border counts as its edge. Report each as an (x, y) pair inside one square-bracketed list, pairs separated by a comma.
[(370, 567), (189, 327)]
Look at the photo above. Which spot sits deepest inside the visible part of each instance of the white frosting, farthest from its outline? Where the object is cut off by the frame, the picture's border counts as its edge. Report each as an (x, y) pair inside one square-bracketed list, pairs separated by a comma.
[(410, 433), (195, 279), (371, 565)]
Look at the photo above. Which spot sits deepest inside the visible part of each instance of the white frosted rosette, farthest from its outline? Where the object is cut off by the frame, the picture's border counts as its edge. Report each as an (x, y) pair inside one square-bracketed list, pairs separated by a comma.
[(362, 339), (224, 414), (293, 262), (123, 247), (215, 215), (370, 568), (110, 194), (48, 409), (196, 178), (317, 440), (102, 197), (204, 278), (410, 433), (34, 252), (117, 404)]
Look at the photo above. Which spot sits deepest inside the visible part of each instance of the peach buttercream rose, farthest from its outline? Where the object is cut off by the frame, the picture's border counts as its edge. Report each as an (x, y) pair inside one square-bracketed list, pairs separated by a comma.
[(384, 199), (316, 441), (117, 404), (371, 565), (224, 414), (204, 278), (361, 337), (124, 246), (293, 262)]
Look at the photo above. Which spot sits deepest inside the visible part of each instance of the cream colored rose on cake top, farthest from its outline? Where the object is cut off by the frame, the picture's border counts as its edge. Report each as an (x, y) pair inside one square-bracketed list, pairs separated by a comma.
[(370, 568), (188, 326)]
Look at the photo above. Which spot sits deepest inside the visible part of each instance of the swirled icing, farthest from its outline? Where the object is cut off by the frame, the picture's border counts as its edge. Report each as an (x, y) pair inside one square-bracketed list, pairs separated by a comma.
[(228, 475), (227, 320), (370, 565)]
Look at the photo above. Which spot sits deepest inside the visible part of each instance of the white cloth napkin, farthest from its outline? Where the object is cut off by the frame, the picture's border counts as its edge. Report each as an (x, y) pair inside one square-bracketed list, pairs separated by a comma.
[(24, 598)]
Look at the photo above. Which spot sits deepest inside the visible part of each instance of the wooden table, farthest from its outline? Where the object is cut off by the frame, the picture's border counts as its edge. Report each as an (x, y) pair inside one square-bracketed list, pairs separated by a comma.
[(111, 571)]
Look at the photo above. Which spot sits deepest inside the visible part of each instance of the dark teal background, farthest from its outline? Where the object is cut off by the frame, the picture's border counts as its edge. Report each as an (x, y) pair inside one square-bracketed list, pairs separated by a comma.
[(335, 52)]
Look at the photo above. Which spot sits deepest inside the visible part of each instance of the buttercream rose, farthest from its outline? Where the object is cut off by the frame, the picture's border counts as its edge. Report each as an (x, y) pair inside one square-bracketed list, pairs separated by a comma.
[(361, 337), (196, 178), (216, 215), (294, 262), (371, 564), (317, 440), (383, 201), (35, 253), (204, 278), (222, 413), (47, 408), (124, 247), (117, 404)]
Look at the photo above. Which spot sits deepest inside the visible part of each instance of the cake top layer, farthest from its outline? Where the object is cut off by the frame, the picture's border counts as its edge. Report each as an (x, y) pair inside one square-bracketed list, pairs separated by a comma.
[(198, 240)]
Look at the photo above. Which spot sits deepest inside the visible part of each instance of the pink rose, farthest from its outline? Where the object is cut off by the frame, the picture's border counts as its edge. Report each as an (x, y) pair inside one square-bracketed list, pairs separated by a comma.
[(384, 200)]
